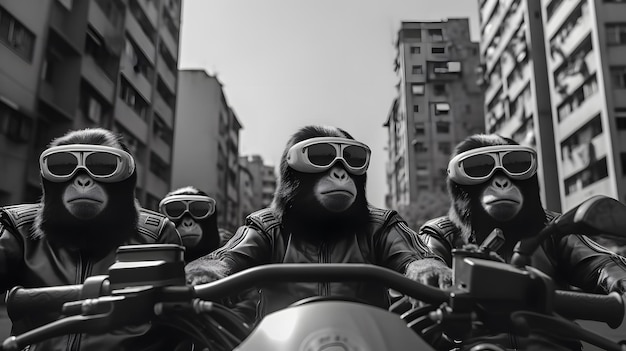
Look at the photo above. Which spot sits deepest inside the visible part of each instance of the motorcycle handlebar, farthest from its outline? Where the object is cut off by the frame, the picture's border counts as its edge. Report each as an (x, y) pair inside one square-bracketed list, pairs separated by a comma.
[(595, 307), (22, 301)]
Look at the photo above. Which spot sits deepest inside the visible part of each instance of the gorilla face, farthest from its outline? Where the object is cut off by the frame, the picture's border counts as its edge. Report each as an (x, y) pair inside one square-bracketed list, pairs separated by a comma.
[(320, 202), (190, 231), (84, 198), (501, 199)]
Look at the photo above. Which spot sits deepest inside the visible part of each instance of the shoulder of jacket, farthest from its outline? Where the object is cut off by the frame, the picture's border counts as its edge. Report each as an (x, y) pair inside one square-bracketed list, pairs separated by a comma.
[(19, 215), (440, 226), (265, 219), (380, 215), (151, 223)]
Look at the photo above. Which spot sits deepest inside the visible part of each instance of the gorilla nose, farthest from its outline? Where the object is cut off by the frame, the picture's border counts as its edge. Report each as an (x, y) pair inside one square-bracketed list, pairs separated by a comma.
[(501, 182), (338, 173), (187, 222), (83, 181)]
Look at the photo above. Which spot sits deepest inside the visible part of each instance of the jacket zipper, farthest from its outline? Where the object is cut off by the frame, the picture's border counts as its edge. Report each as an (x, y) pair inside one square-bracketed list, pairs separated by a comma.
[(323, 288), (81, 275)]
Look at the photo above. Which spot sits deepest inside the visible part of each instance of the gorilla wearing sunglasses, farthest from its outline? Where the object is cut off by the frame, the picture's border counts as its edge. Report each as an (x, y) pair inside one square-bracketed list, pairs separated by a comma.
[(194, 213), (320, 214), (87, 210), (493, 183)]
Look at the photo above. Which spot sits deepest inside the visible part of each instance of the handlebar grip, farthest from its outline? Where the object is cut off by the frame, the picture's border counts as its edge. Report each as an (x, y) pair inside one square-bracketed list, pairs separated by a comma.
[(596, 307), (21, 301)]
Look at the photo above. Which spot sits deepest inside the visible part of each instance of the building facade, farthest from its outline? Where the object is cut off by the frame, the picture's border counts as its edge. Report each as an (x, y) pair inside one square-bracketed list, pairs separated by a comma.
[(586, 45), (438, 104), (206, 143), (517, 100), (263, 182), (75, 64)]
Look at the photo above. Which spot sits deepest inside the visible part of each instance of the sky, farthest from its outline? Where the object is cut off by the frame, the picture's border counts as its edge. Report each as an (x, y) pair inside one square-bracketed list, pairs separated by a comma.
[(285, 64)]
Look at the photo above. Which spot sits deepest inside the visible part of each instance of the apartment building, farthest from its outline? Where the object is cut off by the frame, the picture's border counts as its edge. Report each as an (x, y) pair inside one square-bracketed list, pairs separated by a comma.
[(74, 64), (438, 104), (206, 143), (586, 45), (517, 101), (263, 180)]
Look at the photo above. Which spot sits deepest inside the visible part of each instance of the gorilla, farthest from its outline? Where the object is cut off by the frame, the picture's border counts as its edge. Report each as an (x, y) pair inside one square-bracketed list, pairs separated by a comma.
[(194, 213), (320, 214), (87, 210), (493, 184)]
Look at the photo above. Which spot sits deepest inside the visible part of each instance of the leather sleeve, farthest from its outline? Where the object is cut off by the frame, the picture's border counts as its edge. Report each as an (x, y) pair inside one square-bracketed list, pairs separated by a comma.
[(436, 243), (169, 234), (590, 266), (248, 247), (399, 245), (11, 255)]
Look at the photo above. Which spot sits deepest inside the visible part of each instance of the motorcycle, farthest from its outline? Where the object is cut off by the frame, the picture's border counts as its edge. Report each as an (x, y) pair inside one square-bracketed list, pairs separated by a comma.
[(147, 284)]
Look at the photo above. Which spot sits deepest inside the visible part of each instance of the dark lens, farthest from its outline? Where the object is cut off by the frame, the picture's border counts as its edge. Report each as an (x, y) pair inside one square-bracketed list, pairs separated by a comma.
[(517, 161), (101, 163), (200, 208), (322, 154), (478, 165), (61, 163), (355, 156), (174, 209)]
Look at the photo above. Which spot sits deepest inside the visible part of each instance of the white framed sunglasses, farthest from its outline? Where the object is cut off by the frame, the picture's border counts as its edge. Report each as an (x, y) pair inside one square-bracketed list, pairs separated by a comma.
[(317, 155), (102, 163), (478, 165), (198, 206)]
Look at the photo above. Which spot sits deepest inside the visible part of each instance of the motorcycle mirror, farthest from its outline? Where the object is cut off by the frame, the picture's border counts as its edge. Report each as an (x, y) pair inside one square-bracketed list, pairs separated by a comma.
[(597, 215)]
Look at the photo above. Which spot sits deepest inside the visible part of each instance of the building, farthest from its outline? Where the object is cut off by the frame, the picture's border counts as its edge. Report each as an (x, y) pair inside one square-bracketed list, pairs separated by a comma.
[(517, 101), (586, 45), (246, 193), (439, 103), (263, 184), (74, 64), (206, 143)]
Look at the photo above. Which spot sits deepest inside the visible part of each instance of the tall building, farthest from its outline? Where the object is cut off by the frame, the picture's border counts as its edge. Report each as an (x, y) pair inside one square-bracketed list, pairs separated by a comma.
[(439, 103), (586, 45), (73, 64), (517, 101), (263, 180), (206, 143)]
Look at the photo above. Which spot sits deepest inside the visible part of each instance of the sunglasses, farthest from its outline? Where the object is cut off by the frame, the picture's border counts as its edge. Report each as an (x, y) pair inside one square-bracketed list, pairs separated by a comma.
[(478, 165), (198, 206), (317, 155), (103, 163)]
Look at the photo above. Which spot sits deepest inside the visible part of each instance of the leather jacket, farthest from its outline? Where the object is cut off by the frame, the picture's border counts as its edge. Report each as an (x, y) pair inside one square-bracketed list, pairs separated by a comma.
[(36, 262), (387, 241)]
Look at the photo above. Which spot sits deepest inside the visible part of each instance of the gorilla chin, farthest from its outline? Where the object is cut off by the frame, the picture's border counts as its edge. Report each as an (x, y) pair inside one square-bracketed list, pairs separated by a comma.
[(502, 211), (85, 209), (337, 201)]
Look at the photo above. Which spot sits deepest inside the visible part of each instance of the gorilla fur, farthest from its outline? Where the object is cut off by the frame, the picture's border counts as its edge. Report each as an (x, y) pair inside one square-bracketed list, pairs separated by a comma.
[(295, 203), (210, 233), (468, 214), (108, 229)]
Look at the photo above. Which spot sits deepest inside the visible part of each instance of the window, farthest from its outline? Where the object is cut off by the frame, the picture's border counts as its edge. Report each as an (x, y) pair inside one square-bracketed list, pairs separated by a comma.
[(138, 59), (437, 50), (113, 10), (133, 99), (454, 67), (616, 33), (435, 34), (552, 6), (620, 118), (417, 89), (166, 94), (442, 108), (13, 124), (14, 35), (420, 128), (417, 69), (416, 50), (416, 108), (142, 19), (414, 34), (443, 127), (159, 167), (445, 148), (161, 130), (439, 89), (419, 146), (618, 76)]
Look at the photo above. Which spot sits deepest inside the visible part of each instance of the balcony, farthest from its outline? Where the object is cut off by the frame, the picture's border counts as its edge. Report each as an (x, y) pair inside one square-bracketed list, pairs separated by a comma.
[(161, 148), (137, 80), (101, 23), (163, 110), (582, 155), (559, 16), (142, 40), (515, 21), (589, 108), (171, 43), (151, 12), (129, 119), (97, 79), (167, 75)]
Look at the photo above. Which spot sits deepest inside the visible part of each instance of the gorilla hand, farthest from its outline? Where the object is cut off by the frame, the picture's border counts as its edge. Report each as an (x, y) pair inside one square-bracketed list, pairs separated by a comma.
[(202, 271), (429, 271)]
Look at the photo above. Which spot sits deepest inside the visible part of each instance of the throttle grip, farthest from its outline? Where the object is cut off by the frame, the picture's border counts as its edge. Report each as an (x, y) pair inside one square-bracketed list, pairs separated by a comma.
[(597, 307), (22, 301)]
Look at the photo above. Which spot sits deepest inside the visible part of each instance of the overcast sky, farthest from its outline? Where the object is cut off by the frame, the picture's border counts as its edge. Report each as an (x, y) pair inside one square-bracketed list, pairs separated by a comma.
[(288, 63)]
